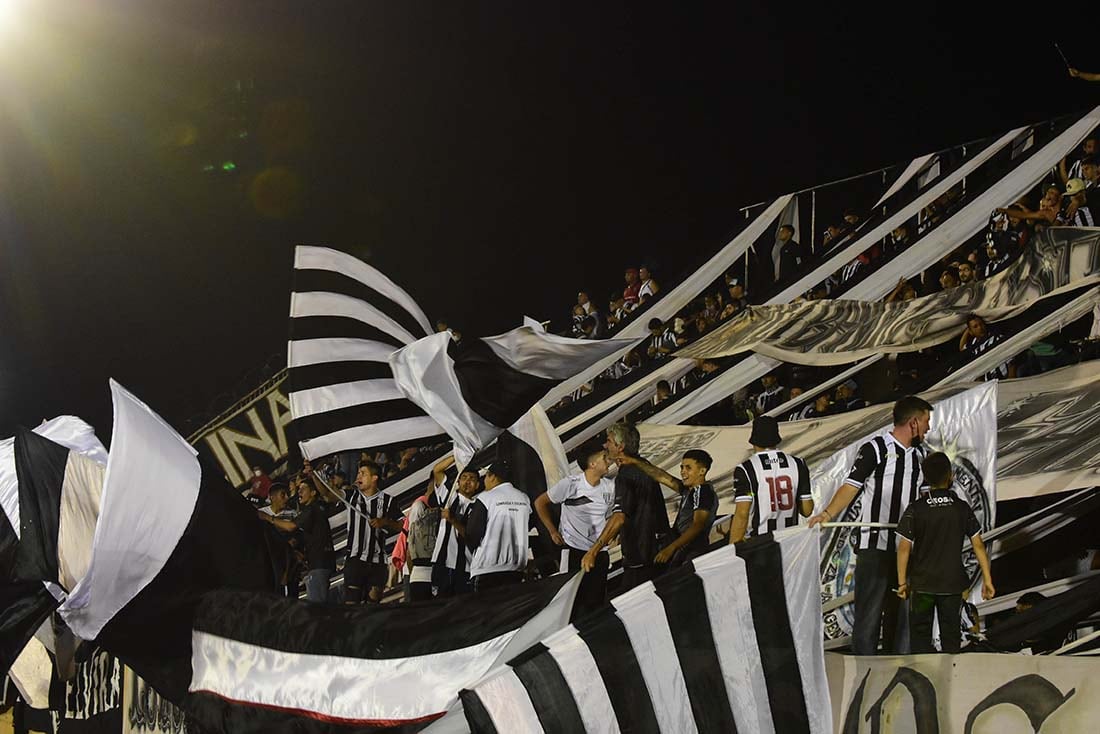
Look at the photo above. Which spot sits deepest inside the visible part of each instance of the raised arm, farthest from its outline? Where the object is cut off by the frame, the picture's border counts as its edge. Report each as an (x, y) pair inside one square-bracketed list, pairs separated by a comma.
[(439, 471), (1088, 76), (655, 473)]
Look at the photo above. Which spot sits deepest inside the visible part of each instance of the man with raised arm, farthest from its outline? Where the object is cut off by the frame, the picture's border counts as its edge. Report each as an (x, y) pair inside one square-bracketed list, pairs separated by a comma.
[(639, 512)]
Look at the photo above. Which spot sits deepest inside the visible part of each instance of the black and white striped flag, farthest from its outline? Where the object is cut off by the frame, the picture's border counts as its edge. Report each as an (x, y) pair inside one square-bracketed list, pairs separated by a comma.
[(279, 665), (51, 481), (729, 643), (365, 371), (346, 319)]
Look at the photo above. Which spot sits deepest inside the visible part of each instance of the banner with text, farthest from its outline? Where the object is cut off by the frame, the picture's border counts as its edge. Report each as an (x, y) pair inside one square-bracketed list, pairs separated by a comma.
[(970, 693), (253, 433)]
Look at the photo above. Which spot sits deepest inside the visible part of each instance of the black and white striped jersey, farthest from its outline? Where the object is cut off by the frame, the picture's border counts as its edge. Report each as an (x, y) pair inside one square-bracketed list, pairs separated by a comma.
[(774, 482), (979, 346), (364, 542), (889, 477), (450, 551)]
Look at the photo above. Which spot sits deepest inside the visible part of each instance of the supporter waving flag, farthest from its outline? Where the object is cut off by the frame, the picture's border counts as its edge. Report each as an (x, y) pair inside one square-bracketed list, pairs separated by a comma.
[(365, 370)]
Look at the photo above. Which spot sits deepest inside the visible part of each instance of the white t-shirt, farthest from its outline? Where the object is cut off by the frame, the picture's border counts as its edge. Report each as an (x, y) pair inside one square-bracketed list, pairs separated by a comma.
[(585, 509)]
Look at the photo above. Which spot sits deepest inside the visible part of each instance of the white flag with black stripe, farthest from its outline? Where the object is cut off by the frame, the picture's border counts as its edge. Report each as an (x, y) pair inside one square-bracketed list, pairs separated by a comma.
[(346, 319), (365, 371), (261, 664), (730, 642)]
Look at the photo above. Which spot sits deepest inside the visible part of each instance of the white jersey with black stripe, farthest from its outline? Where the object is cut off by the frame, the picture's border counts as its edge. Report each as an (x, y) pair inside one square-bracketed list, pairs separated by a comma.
[(774, 482)]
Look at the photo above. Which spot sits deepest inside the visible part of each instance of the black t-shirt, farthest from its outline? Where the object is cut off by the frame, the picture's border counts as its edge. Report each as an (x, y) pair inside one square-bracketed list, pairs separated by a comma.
[(692, 499), (313, 522), (936, 525), (639, 498)]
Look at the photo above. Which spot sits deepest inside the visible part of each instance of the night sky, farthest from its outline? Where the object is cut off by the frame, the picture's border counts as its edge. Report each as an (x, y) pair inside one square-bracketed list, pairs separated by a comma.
[(492, 158)]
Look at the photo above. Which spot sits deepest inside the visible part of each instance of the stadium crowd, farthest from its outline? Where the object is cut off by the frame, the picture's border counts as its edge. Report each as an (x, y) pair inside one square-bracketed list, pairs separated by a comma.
[(468, 531)]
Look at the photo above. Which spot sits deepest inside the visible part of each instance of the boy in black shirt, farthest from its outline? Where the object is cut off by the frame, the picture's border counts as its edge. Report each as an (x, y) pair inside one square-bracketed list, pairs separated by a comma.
[(931, 533), (698, 505)]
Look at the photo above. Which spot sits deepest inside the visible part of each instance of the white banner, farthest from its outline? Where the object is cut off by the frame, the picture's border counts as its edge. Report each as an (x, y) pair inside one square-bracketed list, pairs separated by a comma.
[(974, 693)]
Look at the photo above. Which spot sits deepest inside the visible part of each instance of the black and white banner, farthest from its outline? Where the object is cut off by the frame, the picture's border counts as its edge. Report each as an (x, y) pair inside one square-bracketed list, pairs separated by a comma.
[(728, 642), (970, 693), (262, 664), (144, 711), (366, 371), (252, 433), (830, 332)]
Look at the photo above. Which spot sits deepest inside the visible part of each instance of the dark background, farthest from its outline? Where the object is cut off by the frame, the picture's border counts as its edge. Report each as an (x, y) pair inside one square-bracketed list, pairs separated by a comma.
[(492, 158)]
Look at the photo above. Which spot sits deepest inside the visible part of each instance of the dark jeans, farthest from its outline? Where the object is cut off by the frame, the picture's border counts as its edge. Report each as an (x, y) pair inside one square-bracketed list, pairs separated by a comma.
[(449, 582), (922, 609), (494, 580), (877, 607)]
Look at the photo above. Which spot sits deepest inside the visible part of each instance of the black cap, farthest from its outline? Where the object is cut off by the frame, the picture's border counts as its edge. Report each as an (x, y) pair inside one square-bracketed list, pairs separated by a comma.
[(765, 432)]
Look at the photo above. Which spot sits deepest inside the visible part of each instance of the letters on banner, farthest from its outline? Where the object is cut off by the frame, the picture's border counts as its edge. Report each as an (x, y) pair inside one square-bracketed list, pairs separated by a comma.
[(970, 693)]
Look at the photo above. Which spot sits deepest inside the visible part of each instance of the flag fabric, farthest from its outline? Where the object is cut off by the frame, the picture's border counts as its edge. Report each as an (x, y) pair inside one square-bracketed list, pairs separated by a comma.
[(169, 529), (366, 371), (346, 319), (476, 388), (263, 664), (729, 642), (50, 485)]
